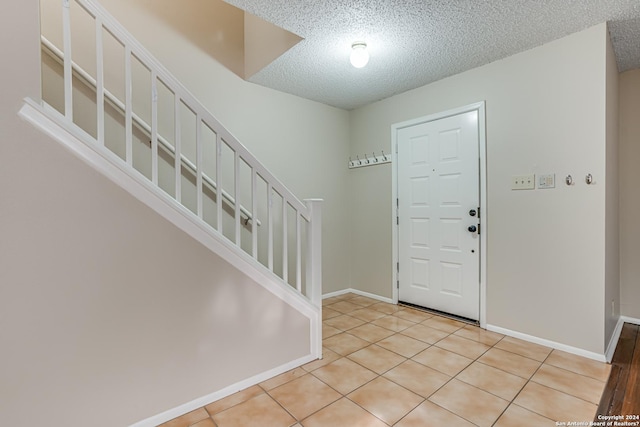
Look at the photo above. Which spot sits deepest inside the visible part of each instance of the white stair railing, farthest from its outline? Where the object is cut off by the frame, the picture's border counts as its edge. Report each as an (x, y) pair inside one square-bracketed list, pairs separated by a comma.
[(228, 150)]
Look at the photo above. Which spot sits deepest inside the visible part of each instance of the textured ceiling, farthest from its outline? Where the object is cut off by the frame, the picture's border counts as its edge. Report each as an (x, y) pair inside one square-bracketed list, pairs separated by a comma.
[(415, 42)]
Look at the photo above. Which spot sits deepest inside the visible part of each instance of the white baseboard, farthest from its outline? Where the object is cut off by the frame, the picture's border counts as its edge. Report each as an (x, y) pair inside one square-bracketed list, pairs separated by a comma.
[(548, 343), (632, 320), (220, 394), (613, 342), (358, 292)]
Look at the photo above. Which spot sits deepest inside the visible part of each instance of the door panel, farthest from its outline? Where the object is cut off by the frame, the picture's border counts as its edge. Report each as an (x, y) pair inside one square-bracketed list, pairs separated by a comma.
[(438, 184)]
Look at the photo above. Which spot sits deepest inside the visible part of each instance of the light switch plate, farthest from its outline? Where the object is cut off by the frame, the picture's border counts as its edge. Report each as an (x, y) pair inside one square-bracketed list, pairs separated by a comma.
[(547, 181), (523, 182)]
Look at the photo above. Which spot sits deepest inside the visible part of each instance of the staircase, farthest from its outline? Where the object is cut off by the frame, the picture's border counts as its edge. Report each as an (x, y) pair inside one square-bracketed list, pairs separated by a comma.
[(117, 108)]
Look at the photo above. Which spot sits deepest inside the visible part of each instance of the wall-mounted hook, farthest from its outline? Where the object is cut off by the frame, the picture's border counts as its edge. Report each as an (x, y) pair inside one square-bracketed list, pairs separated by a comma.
[(384, 156), (589, 179), (375, 159), (359, 161), (569, 180)]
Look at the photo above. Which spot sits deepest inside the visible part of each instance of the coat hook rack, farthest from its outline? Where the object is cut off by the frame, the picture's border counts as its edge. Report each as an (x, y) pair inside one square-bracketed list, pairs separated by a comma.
[(369, 160)]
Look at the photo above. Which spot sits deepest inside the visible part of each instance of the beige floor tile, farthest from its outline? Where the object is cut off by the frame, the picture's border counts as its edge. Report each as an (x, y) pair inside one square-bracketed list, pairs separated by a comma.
[(329, 301), (470, 403), (480, 335), (344, 375), (524, 348), (304, 396), (342, 413), (580, 365), (371, 333), (260, 411), (444, 324), (442, 360), (363, 301), (328, 313), (386, 308), (493, 380), (429, 414), (516, 416), (403, 345), (412, 315), (343, 322), (393, 323), (282, 378), (425, 333), (187, 419), (366, 314), (328, 356), (463, 346), (234, 399), (385, 399), (577, 385), (554, 405), (344, 306), (205, 423), (345, 344), (378, 359), (510, 362), (329, 331), (418, 378)]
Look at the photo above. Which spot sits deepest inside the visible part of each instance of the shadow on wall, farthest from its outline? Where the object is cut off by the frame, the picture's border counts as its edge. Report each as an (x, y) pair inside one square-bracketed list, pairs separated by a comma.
[(241, 42)]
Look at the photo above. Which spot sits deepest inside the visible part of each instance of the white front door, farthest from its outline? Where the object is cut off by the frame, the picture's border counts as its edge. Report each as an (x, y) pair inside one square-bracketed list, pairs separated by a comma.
[(438, 209)]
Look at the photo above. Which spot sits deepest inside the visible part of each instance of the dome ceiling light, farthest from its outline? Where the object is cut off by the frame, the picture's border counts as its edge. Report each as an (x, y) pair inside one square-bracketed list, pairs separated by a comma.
[(359, 55)]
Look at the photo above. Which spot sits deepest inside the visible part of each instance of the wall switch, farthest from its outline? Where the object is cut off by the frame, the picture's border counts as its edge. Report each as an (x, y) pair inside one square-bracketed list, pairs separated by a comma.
[(523, 182), (547, 181)]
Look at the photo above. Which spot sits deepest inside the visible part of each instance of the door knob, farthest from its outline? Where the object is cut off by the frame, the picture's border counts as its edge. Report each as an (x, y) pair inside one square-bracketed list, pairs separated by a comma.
[(472, 228), (472, 212)]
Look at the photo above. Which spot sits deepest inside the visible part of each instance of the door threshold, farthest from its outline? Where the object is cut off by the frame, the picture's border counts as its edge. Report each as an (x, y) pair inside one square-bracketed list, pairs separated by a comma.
[(440, 313)]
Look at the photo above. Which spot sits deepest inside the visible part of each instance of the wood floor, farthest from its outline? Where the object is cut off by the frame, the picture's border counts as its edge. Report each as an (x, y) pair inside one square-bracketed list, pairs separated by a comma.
[(621, 395)]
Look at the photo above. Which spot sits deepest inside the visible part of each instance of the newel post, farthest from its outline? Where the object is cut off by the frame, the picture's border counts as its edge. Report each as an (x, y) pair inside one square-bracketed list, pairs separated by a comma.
[(314, 270), (314, 252)]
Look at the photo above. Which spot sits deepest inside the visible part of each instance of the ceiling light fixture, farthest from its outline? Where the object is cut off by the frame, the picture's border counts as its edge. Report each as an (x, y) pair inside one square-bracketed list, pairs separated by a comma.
[(359, 55)]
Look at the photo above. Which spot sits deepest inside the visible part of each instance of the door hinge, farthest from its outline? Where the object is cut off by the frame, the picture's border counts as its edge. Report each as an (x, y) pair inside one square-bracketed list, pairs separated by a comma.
[(398, 284), (478, 229), (398, 267), (478, 212)]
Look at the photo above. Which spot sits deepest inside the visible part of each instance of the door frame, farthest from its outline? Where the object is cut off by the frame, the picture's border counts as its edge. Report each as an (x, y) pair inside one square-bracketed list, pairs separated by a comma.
[(482, 150)]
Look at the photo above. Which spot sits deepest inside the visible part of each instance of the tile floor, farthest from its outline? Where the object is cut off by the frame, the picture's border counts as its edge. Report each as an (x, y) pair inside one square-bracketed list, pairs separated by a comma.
[(386, 365)]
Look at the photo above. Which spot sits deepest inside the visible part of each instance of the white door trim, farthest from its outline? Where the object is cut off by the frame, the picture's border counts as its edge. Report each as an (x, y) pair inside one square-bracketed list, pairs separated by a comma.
[(482, 149)]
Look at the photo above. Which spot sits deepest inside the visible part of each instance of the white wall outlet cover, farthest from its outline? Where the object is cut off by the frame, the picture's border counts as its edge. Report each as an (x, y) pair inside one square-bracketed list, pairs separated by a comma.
[(523, 182)]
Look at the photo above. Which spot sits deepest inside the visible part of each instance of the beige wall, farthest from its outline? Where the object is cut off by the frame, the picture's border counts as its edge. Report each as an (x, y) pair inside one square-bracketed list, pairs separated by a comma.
[(546, 248), (612, 223), (629, 156), (103, 304)]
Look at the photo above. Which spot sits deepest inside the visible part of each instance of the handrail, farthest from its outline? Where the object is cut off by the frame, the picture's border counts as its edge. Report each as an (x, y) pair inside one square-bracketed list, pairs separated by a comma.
[(289, 244), (118, 31), (166, 145)]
